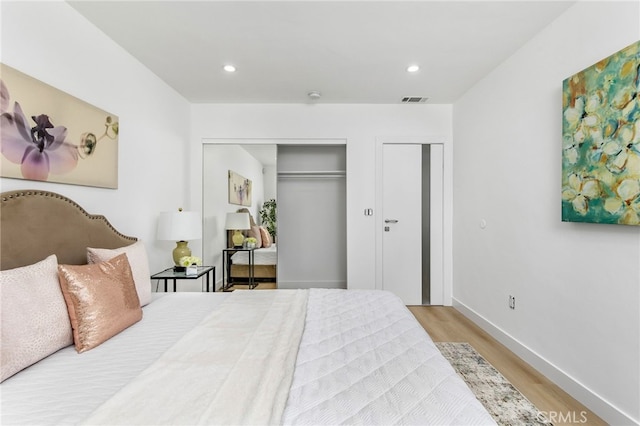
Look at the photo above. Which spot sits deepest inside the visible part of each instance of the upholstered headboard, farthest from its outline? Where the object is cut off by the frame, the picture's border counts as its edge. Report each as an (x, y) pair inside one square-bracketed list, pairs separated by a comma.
[(35, 224), (246, 210)]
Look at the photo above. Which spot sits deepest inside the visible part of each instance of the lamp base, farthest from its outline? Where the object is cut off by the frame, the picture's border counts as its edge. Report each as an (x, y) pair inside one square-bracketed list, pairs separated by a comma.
[(237, 238), (181, 250)]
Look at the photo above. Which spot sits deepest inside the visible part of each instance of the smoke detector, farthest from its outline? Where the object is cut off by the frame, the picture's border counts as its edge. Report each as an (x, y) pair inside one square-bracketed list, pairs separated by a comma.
[(314, 95)]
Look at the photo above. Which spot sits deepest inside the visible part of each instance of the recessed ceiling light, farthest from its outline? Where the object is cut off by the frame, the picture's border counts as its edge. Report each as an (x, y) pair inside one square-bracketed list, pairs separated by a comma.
[(229, 68), (413, 68)]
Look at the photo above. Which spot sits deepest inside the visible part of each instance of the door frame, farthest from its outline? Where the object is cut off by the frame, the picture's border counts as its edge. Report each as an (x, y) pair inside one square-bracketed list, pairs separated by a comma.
[(447, 207)]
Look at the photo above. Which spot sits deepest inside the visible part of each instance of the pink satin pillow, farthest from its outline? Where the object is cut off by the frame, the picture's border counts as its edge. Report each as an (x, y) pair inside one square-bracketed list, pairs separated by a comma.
[(255, 233), (101, 299), (266, 237)]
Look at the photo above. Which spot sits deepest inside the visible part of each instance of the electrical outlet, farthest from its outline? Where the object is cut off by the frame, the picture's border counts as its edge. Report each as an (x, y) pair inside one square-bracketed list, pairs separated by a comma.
[(512, 302)]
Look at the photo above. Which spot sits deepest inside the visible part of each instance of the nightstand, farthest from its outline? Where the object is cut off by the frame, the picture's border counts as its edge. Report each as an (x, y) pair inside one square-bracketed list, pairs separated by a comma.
[(169, 274), (226, 266)]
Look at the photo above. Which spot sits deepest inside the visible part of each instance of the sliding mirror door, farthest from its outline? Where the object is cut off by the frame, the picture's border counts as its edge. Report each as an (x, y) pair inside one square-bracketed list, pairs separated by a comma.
[(307, 184), (255, 163)]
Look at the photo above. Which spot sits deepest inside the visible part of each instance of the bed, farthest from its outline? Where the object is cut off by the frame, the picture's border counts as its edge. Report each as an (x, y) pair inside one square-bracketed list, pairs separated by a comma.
[(319, 356), (265, 258), (265, 261)]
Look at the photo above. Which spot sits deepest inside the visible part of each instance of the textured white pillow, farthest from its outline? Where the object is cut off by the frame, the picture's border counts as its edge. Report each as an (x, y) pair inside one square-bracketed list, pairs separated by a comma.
[(35, 321), (137, 255)]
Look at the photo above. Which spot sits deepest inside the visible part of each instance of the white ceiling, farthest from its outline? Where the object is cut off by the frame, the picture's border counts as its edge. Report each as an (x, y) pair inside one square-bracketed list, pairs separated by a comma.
[(350, 51), (265, 154)]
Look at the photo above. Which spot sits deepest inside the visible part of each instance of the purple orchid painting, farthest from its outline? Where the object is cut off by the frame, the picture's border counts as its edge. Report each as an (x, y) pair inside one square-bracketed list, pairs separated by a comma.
[(39, 149), (35, 145)]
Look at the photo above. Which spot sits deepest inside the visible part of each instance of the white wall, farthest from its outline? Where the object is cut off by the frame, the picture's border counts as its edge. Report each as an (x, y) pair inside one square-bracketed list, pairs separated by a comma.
[(217, 161), (577, 286), (50, 41), (359, 125), (270, 185)]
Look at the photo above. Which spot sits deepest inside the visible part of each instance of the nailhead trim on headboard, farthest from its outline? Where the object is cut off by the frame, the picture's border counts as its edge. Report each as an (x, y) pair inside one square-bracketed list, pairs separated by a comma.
[(35, 224), (8, 196)]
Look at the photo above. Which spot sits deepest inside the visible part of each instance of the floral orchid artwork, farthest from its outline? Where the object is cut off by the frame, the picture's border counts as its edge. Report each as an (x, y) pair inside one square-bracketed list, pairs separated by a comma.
[(39, 145), (601, 141), (40, 149)]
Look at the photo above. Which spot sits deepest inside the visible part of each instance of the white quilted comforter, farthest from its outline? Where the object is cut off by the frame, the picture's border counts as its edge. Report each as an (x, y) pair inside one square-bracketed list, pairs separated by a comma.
[(364, 359)]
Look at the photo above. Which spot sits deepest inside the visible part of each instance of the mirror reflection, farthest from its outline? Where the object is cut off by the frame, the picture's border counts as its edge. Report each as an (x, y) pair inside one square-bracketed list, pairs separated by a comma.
[(240, 214)]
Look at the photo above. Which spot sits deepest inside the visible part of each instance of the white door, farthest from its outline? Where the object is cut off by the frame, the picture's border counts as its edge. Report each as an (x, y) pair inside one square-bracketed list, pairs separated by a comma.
[(402, 222), (402, 217)]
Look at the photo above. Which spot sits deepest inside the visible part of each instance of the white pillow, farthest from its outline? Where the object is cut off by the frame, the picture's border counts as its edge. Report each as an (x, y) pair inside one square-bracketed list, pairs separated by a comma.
[(35, 321), (137, 255)]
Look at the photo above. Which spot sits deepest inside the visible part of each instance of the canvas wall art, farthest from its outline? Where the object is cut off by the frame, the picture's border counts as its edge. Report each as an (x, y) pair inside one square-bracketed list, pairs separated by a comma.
[(601, 141), (239, 189), (49, 135)]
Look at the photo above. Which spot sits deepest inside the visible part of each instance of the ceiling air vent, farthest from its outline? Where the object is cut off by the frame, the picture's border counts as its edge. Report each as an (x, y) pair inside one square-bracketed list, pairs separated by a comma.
[(414, 99)]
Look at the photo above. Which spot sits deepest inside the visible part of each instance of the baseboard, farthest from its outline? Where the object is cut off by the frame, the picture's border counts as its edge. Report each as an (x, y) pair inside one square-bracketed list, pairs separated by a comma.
[(593, 401)]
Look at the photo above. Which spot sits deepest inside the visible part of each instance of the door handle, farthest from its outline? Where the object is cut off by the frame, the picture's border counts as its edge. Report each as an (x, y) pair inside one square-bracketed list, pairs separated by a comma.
[(390, 221)]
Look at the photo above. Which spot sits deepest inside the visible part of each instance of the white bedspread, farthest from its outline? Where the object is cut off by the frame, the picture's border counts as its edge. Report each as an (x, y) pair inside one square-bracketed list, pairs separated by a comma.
[(364, 359), (233, 368), (261, 256)]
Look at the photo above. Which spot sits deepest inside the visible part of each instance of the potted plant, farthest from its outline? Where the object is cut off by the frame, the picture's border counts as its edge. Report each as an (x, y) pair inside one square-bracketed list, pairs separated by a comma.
[(268, 217), (250, 242)]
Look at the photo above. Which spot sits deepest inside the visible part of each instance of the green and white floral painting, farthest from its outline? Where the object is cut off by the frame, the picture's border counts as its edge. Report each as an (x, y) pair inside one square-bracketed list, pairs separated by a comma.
[(601, 141)]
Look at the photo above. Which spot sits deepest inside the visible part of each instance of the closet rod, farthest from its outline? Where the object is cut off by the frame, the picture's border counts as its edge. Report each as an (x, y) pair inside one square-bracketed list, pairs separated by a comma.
[(313, 174)]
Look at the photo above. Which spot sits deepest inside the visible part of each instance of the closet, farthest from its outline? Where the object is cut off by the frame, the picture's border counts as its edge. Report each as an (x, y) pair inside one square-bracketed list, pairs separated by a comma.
[(312, 219), (309, 184)]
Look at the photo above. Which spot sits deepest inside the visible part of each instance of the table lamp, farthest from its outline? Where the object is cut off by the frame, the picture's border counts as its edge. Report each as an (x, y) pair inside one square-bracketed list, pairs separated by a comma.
[(180, 227), (237, 222)]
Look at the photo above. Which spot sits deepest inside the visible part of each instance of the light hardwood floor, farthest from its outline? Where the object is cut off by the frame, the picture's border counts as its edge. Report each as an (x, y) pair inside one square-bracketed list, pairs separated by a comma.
[(445, 324), (260, 286)]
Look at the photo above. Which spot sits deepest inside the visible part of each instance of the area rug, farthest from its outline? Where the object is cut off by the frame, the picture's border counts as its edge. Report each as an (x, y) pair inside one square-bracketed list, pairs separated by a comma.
[(502, 400)]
